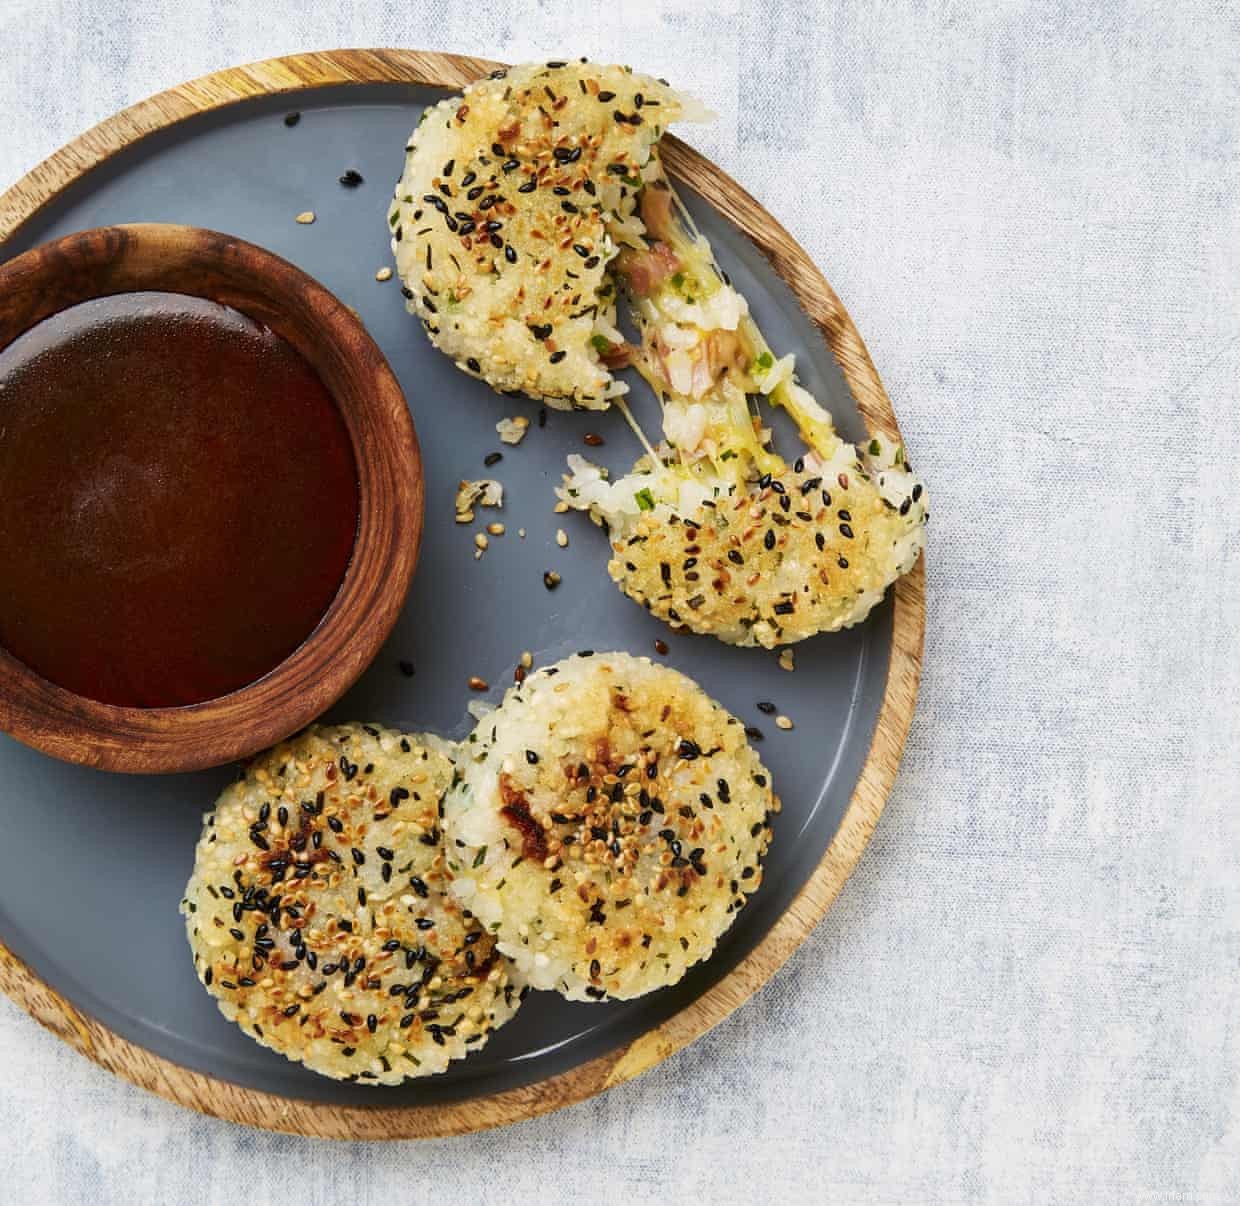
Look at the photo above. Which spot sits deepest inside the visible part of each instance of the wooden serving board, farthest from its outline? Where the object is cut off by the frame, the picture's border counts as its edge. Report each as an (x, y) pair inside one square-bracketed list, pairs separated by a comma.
[(41, 188)]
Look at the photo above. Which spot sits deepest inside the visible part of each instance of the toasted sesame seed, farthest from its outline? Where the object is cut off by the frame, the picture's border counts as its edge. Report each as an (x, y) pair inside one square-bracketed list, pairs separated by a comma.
[(783, 722), (305, 217), (786, 660), (478, 684), (496, 529), (561, 538), (551, 579), (384, 274)]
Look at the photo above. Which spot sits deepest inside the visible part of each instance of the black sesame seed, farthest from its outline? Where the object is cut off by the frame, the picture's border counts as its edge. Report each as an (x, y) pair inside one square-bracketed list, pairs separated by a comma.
[(556, 357), (769, 539), (291, 119), (510, 254), (473, 365), (846, 531), (352, 178)]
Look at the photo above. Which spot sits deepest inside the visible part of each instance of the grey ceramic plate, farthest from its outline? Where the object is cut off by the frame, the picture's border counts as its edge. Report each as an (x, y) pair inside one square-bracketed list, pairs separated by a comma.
[(92, 865)]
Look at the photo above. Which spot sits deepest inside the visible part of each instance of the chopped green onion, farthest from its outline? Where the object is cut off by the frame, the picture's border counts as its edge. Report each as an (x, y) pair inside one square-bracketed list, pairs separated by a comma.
[(875, 448), (728, 455), (678, 279), (645, 500), (601, 343), (765, 361), (480, 857)]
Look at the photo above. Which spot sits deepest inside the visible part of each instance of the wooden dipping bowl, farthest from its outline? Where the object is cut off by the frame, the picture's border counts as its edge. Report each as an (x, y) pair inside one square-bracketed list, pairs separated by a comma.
[(272, 292)]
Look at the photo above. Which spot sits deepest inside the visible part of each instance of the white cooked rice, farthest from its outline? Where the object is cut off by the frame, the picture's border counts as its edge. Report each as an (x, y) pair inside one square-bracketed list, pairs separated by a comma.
[(609, 822), (513, 285), (319, 915), (812, 550)]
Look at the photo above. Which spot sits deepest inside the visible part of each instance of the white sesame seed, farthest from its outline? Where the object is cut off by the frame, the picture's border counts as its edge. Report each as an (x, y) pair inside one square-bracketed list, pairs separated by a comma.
[(561, 507), (783, 722), (786, 660), (496, 529), (306, 217), (561, 538), (480, 540), (384, 274), (527, 659)]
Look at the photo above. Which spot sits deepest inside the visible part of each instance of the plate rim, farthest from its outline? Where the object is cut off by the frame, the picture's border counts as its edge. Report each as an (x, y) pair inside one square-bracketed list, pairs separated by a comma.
[(305, 72)]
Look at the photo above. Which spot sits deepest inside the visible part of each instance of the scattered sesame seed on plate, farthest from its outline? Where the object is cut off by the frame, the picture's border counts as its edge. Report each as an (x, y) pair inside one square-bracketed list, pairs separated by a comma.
[(305, 217), (496, 529), (384, 274), (561, 507), (561, 538), (786, 660), (478, 684), (783, 722)]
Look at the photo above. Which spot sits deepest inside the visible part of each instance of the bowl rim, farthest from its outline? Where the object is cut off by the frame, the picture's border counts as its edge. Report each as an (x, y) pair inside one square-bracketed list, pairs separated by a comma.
[(111, 260)]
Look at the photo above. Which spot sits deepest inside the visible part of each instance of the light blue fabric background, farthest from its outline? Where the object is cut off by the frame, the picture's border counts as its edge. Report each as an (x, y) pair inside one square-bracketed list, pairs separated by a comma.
[(1028, 993)]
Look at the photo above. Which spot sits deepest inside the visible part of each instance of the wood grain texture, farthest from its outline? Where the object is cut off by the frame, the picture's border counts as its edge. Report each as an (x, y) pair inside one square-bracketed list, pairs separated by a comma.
[(180, 259), (816, 895)]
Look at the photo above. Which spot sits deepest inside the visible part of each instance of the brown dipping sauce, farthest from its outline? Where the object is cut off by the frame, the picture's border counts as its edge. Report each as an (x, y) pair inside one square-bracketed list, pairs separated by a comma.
[(178, 499)]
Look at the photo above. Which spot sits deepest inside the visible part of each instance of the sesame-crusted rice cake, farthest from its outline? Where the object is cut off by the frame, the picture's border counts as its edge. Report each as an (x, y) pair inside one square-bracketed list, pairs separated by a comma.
[(811, 548), (609, 821), (319, 915), (516, 196)]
